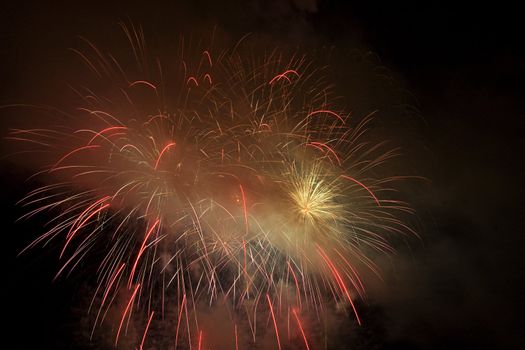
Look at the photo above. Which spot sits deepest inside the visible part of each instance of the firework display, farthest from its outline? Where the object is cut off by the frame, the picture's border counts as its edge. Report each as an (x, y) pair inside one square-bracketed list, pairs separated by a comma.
[(215, 179)]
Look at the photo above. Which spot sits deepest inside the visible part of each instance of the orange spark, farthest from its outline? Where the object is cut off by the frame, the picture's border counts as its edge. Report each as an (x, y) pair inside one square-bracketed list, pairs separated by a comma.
[(192, 79), (363, 186), (301, 328), (283, 75), (339, 280), (327, 111), (141, 251), (126, 310)]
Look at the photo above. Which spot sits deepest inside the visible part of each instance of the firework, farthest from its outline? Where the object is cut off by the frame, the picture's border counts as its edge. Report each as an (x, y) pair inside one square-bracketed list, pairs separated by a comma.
[(221, 178)]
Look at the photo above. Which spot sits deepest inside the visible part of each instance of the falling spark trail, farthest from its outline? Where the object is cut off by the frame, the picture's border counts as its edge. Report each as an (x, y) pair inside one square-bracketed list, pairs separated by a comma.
[(82, 224), (146, 330), (169, 145), (126, 310), (326, 111), (71, 153), (301, 329), (143, 82), (339, 281), (200, 340), (141, 251), (245, 210), (182, 306), (274, 321)]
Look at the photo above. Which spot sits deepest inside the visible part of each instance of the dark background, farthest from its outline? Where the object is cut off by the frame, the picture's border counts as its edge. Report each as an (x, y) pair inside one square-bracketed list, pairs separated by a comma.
[(462, 70)]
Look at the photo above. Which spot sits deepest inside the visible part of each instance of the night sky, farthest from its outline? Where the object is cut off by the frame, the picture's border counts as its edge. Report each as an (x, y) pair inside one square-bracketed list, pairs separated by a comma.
[(448, 82)]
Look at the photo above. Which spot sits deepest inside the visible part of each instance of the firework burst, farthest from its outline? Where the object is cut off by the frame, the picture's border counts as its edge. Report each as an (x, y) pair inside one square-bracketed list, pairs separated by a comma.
[(221, 178)]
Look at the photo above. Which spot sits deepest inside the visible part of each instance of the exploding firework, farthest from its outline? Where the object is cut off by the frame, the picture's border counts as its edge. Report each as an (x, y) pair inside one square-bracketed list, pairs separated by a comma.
[(221, 180)]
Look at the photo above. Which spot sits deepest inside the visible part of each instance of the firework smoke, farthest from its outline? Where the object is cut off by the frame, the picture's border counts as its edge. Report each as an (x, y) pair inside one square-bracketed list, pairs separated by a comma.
[(220, 185)]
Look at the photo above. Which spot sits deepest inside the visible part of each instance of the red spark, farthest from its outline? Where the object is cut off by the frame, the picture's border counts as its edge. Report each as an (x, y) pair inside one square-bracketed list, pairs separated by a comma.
[(327, 111), (141, 251), (301, 328), (274, 321), (162, 152), (363, 186), (146, 330), (207, 54), (82, 224), (245, 210), (113, 278), (322, 145), (126, 310), (192, 79), (296, 282)]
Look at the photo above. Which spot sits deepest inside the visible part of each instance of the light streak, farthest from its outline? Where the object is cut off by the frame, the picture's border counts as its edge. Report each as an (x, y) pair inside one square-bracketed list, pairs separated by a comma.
[(274, 321), (146, 330)]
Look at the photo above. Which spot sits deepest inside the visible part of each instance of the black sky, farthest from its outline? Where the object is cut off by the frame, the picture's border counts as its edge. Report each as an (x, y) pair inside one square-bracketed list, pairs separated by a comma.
[(461, 69)]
